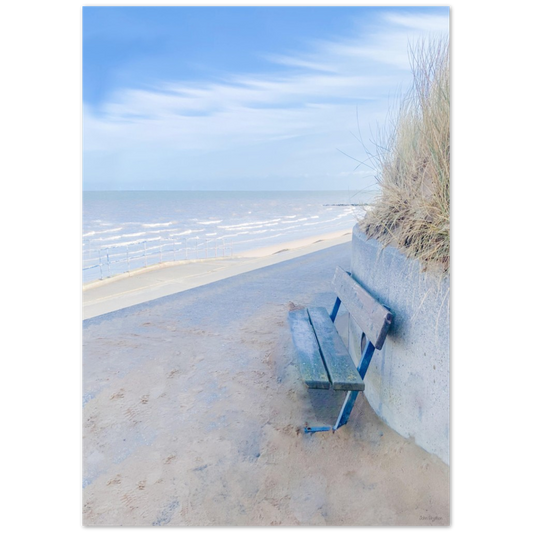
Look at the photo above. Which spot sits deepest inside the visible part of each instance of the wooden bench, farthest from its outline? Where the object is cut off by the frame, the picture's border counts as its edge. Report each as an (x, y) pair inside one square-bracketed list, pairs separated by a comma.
[(324, 359)]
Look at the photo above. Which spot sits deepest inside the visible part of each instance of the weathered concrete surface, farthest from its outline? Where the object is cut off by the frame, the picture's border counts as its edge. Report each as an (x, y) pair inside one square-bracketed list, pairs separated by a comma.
[(193, 409), (408, 381)]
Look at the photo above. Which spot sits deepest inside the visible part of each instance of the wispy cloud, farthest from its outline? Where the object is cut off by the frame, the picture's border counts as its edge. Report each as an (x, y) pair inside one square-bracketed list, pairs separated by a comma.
[(311, 99), (420, 22), (291, 61)]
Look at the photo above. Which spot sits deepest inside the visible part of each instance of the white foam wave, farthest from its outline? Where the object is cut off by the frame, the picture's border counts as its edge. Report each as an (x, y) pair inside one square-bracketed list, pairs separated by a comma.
[(257, 223), (187, 232), (116, 237), (292, 221), (91, 233), (131, 243), (158, 225)]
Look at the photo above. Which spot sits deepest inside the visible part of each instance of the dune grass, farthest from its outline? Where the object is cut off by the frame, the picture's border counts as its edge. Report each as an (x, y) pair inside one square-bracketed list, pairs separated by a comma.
[(412, 210)]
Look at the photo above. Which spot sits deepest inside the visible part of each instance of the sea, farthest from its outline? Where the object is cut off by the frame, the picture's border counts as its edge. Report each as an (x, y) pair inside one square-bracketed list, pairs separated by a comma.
[(128, 230)]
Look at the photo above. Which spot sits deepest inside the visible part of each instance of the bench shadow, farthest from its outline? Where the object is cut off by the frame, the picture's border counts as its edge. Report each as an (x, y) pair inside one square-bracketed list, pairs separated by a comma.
[(326, 405)]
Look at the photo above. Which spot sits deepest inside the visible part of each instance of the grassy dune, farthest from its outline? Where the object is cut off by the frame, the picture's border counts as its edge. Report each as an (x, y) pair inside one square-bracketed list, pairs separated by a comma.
[(412, 211)]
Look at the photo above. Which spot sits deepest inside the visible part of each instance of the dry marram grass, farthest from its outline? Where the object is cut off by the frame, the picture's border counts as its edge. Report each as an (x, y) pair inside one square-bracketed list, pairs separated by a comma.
[(412, 211)]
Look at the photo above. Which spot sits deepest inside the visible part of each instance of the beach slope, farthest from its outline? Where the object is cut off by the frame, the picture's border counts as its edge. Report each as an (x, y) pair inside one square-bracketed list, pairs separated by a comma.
[(194, 408)]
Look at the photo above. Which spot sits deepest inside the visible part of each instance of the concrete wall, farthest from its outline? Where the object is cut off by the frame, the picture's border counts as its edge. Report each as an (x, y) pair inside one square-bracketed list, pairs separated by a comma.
[(407, 383)]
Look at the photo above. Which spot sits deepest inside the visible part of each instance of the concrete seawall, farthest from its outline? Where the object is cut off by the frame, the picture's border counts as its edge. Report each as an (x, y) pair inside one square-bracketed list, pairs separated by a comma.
[(407, 383)]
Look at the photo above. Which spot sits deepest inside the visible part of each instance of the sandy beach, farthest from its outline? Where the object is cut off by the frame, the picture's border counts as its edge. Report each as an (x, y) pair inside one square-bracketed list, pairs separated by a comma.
[(124, 290), (194, 408)]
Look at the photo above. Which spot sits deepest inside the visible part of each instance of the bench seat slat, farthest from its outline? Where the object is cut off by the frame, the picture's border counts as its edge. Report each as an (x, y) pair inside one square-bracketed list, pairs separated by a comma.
[(341, 369), (311, 365)]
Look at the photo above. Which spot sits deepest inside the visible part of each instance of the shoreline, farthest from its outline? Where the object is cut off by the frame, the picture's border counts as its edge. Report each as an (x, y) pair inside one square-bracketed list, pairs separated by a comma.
[(260, 252), (297, 244), (149, 283)]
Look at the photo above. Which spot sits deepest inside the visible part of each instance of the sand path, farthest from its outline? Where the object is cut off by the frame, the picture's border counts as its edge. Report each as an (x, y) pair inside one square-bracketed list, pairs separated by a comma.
[(193, 409)]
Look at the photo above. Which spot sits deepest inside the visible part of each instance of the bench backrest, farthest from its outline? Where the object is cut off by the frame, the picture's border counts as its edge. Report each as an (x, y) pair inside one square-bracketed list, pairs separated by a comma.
[(372, 317)]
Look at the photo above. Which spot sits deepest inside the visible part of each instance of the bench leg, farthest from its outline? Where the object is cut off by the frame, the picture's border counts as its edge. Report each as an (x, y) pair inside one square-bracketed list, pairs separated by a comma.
[(309, 429), (336, 306), (346, 409), (351, 396), (335, 310), (349, 401)]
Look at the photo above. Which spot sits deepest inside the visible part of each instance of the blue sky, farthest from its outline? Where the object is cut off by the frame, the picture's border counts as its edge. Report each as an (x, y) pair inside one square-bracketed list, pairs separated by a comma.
[(234, 98)]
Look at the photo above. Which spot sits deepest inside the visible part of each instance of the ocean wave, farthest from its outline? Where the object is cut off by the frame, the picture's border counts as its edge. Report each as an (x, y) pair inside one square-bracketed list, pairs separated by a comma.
[(119, 234), (157, 225), (231, 235), (94, 232), (292, 221), (135, 234), (153, 232), (323, 222), (187, 232), (258, 224), (106, 239), (129, 243)]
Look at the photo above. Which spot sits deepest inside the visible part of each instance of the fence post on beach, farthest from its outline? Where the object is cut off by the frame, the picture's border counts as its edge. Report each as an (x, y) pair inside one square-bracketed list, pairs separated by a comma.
[(100, 263), (108, 264)]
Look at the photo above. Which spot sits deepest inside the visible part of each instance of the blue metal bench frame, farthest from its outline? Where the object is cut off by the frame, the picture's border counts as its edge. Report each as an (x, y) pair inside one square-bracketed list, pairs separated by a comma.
[(324, 359)]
